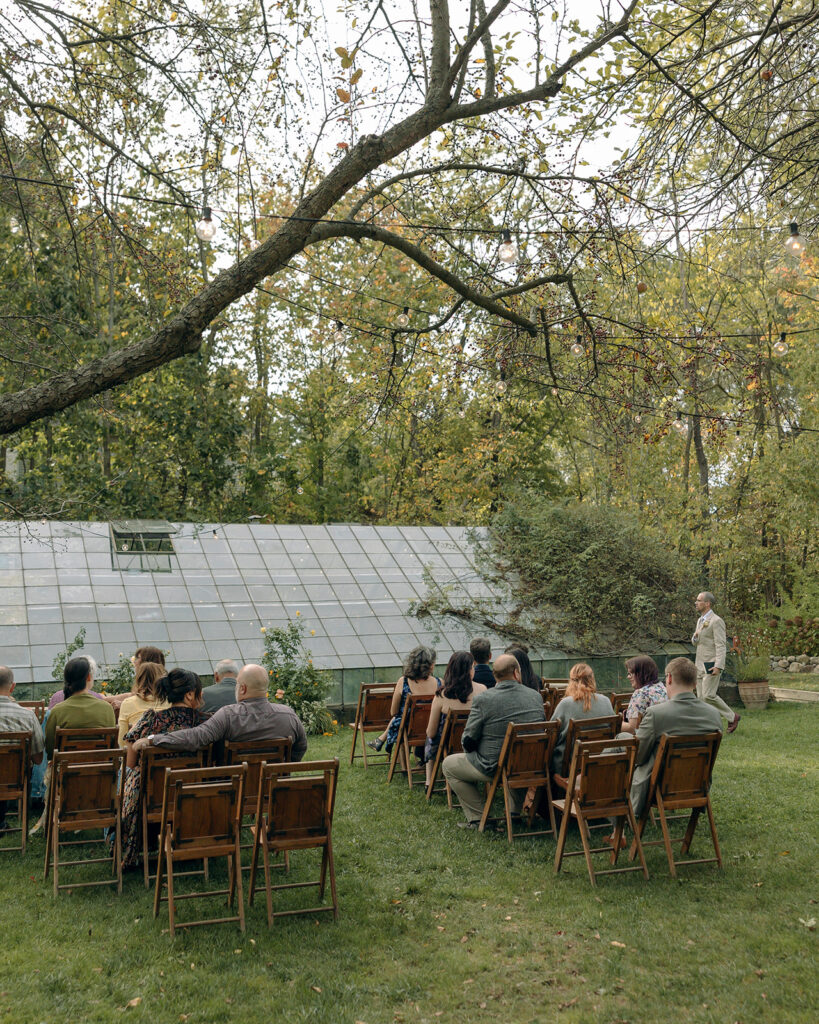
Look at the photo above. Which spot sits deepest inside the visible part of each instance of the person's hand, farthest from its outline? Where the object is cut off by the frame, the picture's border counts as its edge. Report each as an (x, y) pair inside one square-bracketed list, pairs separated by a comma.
[(629, 726), (141, 744), (715, 671)]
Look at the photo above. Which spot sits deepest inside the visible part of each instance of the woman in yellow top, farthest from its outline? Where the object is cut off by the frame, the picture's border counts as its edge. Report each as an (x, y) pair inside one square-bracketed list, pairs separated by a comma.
[(143, 697)]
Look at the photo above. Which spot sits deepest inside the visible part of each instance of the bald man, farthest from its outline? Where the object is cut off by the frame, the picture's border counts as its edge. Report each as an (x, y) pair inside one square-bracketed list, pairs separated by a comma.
[(252, 717), (508, 701)]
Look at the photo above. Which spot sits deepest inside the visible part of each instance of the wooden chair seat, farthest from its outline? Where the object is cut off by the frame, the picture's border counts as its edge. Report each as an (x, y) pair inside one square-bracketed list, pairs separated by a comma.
[(681, 780), (524, 764), (201, 818), (451, 735), (372, 714), (15, 768), (295, 812), (599, 786), (87, 794), (412, 732)]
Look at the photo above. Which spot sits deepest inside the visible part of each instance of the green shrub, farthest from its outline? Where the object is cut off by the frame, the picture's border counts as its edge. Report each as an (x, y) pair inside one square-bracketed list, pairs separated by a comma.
[(294, 680), (119, 678), (797, 635), (59, 662)]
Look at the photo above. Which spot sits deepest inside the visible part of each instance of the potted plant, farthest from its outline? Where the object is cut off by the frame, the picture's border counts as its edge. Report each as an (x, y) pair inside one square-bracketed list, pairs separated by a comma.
[(751, 673)]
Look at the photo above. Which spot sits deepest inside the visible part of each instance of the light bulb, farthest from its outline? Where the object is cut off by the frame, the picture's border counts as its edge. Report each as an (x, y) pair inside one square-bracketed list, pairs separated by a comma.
[(299, 490), (679, 424), (577, 349), (338, 333), (637, 418), (403, 319), (215, 535), (555, 391), (507, 251), (124, 547), (780, 347), (205, 229), (795, 243), (254, 243), (462, 413), (500, 387)]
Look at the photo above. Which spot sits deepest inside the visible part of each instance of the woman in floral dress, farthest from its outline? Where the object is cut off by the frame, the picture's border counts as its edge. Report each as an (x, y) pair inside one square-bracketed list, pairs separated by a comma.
[(644, 677), (183, 692)]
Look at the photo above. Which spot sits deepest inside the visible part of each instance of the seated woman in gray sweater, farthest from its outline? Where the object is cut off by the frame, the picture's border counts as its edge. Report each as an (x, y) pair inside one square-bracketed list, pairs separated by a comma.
[(581, 701)]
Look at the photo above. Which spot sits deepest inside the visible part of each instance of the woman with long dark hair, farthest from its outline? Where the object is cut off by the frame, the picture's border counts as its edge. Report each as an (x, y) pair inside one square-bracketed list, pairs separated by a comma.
[(181, 692), (527, 673), (455, 694)]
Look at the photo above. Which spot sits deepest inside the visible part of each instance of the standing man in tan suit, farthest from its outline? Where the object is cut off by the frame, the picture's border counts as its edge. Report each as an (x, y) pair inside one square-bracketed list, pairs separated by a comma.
[(709, 639)]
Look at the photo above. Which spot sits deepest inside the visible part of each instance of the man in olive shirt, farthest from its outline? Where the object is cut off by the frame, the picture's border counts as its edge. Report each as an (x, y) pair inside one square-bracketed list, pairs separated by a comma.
[(252, 717), (491, 712)]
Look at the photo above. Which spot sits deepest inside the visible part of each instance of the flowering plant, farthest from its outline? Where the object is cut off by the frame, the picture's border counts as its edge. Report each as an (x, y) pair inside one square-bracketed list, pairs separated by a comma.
[(293, 679)]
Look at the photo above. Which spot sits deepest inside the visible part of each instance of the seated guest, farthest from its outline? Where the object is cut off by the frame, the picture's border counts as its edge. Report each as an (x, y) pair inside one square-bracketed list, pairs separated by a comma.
[(223, 690), (581, 701), (455, 695), (143, 697), (59, 696), (177, 698), (252, 717), (527, 673), (481, 651), (683, 714), (417, 679), (643, 675), (13, 718), (142, 656), (491, 712), (79, 709)]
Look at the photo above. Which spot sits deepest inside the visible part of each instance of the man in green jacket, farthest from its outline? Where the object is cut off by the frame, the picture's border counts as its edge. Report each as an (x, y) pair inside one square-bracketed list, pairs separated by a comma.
[(491, 712)]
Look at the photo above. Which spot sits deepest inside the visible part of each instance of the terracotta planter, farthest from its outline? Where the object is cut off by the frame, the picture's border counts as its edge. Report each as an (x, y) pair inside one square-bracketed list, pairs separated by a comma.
[(754, 695)]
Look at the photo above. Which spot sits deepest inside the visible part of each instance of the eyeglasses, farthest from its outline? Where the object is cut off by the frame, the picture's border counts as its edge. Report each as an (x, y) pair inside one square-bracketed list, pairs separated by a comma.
[(629, 673)]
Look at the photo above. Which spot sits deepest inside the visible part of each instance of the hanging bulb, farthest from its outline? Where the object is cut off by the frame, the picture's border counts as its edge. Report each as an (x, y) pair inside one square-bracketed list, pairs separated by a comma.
[(462, 413), (500, 387), (795, 243), (555, 391), (679, 424), (578, 349), (637, 418), (254, 243), (215, 535), (299, 490), (205, 229), (507, 251), (403, 319), (780, 347), (338, 333)]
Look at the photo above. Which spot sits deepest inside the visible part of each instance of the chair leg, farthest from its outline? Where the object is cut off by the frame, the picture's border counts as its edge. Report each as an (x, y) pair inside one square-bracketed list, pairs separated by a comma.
[(332, 869), (146, 871), (24, 818), (239, 893), (267, 889), (714, 839), (487, 807), (408, 760), (355, 739), (641, 825), (637, 840), (394, 758), (55, 839), (323, 873), (158, 887), (584, 838), (688, 838), (254, 857), (666, 837), (507, 808), (171, 907), (564, 831), (118, 850)]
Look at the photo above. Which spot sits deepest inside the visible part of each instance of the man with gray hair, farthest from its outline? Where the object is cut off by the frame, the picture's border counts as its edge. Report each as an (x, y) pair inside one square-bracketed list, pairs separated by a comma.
[(223, 690), (13, 718), (709, 639)]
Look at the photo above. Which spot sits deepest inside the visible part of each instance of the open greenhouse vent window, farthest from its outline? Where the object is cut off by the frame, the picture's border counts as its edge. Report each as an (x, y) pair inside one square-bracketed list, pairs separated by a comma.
[(142, 545)]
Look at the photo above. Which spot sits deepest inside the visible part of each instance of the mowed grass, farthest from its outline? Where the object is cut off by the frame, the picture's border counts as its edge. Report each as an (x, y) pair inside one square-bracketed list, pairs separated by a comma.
[(795, 680), (441, 925)]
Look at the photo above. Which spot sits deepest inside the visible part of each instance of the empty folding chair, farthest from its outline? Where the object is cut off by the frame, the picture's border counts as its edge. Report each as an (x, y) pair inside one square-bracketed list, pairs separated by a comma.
[(295, 812), (523, 764), (14, 772), (87, 795), (599, 786), (201, 819), (681, 780), (154, 761), (372, 715)]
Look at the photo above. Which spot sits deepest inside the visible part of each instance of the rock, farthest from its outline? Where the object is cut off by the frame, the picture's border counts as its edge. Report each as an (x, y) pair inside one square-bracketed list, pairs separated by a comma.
[(803, 659), (816, 671), (796, 667), (782, 663)]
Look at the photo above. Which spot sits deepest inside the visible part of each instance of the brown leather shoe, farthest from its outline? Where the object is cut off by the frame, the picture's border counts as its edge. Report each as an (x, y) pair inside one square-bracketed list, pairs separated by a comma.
[(732, 726)]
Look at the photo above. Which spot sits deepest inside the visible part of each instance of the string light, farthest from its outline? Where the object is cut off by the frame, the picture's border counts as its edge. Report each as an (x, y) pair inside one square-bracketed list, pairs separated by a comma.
[(462, 413), (780, 347), (299, 490), (500, 387), (403, 319), (254, 243), (205, 228), (577, 349), (338, 333), (637, 418), (215, 535), (507, 251), (555, 391), (679, 424), (795, 243)]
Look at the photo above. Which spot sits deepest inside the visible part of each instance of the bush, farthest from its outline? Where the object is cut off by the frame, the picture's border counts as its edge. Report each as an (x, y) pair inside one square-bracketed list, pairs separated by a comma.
[(609, 581), (797, 635), (294, 680)]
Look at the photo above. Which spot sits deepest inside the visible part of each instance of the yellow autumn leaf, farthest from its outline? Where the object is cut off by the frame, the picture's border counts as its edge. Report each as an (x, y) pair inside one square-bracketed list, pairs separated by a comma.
[(356, 76), (343, 95)]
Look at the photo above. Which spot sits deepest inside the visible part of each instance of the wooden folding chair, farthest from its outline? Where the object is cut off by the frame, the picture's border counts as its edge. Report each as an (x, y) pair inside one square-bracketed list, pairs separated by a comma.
[(87, 794), (295, 812), (37, 706), (599, 787), (201, 818), (524, 764), (372, 714), (451, 734), (681, 780), (549, 701), (15, 769), (603, 728), (255, 753), (412, 732), (620, 702), (154, 761)]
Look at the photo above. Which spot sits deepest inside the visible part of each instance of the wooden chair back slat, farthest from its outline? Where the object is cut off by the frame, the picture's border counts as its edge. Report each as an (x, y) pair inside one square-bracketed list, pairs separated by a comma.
[(372, 714), (620, 701), (37, 706), (254, 753), (96, 738), (451, 742), (587, 729), (416, 719), (86, 790), (14, 758), (154, 763)]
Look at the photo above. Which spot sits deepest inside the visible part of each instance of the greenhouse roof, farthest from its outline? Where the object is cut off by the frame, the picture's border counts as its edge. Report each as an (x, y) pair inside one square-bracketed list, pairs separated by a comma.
[(203, 592)]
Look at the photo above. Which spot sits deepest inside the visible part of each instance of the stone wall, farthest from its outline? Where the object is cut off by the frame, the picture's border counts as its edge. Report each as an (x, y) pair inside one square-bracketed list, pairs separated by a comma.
[(794, 663)]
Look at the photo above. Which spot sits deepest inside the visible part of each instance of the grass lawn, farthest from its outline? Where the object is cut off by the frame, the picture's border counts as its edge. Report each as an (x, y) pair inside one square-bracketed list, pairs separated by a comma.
[(442, 925), (795, 680)]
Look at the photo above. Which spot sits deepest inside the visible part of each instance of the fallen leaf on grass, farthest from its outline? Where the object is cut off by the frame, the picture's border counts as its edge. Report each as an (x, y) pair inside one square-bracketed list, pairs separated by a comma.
[(565, 1006), (97, 970), (134, 1002), (620, 945), (440, 927), (464, 938), (315, 988), (810, 924), (482, 1005)]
